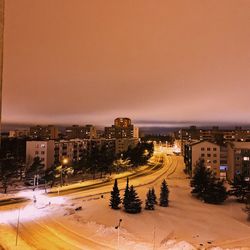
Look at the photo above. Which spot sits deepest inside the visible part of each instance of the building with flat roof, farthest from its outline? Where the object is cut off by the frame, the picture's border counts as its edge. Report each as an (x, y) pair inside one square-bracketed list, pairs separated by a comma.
[(122, 128), (42, 149), (49, 132), (208, 151), (81, 132), (238, 159)]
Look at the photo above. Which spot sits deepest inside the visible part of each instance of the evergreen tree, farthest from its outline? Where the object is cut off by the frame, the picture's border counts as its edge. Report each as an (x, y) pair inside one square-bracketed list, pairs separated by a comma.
[(115, 199), (125, 200), (206, 186), (134, 204), (240, 187), (215, 192), (164, 194), (201, 178), (149, 203), (154, 196)]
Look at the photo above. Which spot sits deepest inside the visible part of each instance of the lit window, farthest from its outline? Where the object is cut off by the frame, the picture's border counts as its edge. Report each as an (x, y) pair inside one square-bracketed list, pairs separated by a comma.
[(246, 158)]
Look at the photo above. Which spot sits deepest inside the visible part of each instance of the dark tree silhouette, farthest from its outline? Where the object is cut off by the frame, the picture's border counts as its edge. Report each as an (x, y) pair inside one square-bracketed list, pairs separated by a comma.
[(134, 204), (149, 203), (115, 199), (206, 186), (154, 196), (240, 187), (164, 194)]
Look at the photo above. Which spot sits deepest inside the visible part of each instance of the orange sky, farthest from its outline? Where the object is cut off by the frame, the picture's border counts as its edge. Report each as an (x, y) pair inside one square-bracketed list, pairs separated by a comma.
[(79, 61)]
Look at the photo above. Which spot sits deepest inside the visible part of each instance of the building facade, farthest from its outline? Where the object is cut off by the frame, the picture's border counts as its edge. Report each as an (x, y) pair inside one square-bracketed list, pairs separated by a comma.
[(207, 151), (81, 132), (238, 159), (122, 128), (42, 149), (49, 132)]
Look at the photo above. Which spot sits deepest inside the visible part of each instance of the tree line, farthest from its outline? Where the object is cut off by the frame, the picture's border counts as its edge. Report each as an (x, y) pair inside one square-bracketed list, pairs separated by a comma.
[(98, 160), (131, 201), (206, 187)]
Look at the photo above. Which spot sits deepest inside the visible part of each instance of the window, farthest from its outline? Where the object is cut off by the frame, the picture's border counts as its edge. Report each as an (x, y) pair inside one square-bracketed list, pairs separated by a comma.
[(42, 152), (214, 161), (208, 149), (42, 159), (42, 145), (202, 149), (215, 155), (36, 152), (214, 149), (208, 155), (202, 155)]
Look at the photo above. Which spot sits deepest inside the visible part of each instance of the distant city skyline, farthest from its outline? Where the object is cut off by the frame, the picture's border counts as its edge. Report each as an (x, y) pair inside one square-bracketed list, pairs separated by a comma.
[(157, 62)]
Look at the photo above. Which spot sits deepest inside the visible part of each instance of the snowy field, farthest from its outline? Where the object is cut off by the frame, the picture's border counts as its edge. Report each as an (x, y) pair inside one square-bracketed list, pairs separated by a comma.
[(53, 223)]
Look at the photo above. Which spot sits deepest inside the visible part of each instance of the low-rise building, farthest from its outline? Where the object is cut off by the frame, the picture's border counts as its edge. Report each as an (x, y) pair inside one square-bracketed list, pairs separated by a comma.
[(238, 159), (208, 151), (81, 132), (49, 132), (123, 144), (18, 133), (45, 150)]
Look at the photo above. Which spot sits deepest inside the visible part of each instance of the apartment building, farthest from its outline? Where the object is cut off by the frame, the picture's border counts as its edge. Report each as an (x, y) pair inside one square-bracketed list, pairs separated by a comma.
[(123, 144), (122, 128), (208, 151), (42, 149), (238, 159), (19, 133), (49, 132), (81, 132), (53, 152)]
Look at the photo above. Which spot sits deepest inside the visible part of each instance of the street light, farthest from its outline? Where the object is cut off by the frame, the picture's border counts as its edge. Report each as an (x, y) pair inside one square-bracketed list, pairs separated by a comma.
[(65, 161), (118, 233)]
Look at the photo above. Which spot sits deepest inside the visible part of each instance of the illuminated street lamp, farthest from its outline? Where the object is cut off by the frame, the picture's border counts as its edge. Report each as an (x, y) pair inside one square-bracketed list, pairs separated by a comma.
[(65, 162)]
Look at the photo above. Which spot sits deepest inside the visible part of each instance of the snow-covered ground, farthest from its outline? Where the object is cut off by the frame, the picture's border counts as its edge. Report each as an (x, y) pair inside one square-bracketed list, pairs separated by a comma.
[(53, 223)]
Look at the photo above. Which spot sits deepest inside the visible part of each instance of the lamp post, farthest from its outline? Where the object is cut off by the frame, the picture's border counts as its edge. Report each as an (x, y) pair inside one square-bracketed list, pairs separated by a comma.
[(118, 233), (64, 163), (17, 227)]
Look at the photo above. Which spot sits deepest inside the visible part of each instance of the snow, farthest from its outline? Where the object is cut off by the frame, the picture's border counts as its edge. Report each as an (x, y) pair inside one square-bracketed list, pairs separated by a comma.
[(186, 224)]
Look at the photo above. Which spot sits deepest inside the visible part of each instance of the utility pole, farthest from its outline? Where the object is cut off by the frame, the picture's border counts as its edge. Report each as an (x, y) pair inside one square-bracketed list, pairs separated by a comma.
[(118, 234), (1, 62), (17, 226)]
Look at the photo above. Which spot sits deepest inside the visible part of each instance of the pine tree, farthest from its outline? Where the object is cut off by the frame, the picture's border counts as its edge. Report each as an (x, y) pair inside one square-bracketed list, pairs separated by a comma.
[(154, 196), (134, 203), (240, 187), (215, 192), (164, 194), (115, 199), (125, 200), (206, 186), (149, 203), (201, 178)]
